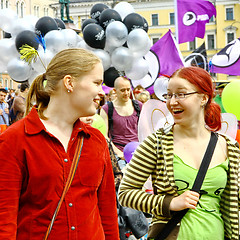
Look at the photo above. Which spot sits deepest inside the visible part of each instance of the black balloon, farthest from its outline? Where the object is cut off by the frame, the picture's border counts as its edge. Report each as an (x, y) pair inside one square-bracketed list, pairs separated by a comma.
[(97, 9), (60, 23), (133, 21), (6, 35), (94, 36), (88, 21), (107, 16), (44, 25), (26, 37), (145, 26), (110, 76)]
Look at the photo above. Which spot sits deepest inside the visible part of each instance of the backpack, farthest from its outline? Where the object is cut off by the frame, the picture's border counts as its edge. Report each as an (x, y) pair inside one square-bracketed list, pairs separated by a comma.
[(110, 113), (12, 116)]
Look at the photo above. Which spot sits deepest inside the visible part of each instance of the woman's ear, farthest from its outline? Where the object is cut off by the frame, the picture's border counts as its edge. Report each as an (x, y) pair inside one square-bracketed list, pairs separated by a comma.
[(68, 83), (204, 100)]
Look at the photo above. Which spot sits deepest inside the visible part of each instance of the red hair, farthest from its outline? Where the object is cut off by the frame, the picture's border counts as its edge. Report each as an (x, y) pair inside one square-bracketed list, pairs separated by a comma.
[(202, 80)]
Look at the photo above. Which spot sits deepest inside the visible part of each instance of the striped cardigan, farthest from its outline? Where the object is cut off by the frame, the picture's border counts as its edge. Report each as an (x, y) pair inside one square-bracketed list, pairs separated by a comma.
[(154, 156)]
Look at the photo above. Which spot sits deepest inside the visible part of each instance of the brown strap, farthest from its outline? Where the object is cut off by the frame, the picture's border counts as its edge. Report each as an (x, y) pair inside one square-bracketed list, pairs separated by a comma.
[(71, 174)]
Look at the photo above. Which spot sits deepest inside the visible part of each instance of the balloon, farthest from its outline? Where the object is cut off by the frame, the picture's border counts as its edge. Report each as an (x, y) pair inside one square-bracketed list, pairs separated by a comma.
[(124, 8), (122, 58), (32, 76), (231, 98), (116, 34), (32, 20), (19, 70), (26, 37), (133, 21), (55, 41), (160, 87), (43, 60), (110, 76), (105, 57), (87, 21), (145, 26), (139, 69), (99, 123), (60, 23), (8, 18), (138, 42), (154, 115), (107, 16), (94, 36), (44, 25), (21, 25), (229, 125), (129, 149), (8, 51), (70, 37), (97, 9)]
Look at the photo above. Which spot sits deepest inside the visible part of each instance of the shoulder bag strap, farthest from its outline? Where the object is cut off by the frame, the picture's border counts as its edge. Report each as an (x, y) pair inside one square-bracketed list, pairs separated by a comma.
[(172, 223), (71, 174), (110, 118)]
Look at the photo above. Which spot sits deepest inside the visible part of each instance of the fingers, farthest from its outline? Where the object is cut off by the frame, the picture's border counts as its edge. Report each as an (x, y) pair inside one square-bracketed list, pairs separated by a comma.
[(188, 199)]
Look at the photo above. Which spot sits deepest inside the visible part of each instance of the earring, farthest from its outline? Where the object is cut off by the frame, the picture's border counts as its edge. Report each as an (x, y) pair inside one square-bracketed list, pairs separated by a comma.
[(68, 91)]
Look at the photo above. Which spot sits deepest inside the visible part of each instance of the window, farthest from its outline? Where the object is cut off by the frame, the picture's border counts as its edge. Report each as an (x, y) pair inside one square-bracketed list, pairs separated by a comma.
[(154, 19), (230, 37), (229, 13), (211, 19), (11, 83), (154, 40), (192, 45), (7, 3), (17, 8), (45, 11), (6, 83), (22, 9), (210, 41), (172, 19), (2, 4)]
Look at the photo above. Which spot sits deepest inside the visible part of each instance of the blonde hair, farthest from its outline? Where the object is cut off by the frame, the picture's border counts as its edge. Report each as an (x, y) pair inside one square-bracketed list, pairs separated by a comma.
[(143, 96), (74, 62)]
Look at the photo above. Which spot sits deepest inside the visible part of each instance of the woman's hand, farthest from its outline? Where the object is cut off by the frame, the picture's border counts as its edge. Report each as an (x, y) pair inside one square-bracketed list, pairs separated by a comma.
[(188, 199)]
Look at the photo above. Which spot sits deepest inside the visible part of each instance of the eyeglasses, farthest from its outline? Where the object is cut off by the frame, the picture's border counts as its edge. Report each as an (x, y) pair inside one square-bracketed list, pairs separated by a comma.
[(169, 96)]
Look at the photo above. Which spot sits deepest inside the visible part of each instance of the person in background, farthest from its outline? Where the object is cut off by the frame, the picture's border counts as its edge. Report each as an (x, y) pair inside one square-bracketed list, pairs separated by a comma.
[(218, 99), (36, 155), (138, 89), (19, 103), (172, 156), (4, 108), (124, 127), (143, 96), (10, 97), (111, 95)]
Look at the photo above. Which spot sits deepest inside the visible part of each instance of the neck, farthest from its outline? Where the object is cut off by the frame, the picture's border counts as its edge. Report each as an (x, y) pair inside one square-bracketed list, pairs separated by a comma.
[(121, 103)]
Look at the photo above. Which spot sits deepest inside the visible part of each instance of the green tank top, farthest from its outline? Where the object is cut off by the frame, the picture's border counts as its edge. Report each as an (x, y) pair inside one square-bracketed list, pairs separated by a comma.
[(204, 222)]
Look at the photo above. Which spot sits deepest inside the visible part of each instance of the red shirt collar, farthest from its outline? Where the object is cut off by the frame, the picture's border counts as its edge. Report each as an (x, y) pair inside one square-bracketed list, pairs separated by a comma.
[(33, 124)]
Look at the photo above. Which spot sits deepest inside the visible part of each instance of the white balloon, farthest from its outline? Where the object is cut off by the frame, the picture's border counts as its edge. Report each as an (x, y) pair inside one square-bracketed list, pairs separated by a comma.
[(8, 51), (160, 87), (8, 17), (21, 25), (19, 70), (32, 76), (139, 69), (124, 8), (138, 42), (105, 57), (55, 41), (229, 125), (71, 37), (116, 33), (154, 115), (43, 60), (122, 58)]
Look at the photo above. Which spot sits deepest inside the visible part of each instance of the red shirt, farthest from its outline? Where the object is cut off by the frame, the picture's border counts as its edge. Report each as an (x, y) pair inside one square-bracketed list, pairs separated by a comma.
[(33, 170)]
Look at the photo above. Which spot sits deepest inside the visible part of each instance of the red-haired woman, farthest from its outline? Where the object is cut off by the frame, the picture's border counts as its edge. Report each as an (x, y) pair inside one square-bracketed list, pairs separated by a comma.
[(173, 156)]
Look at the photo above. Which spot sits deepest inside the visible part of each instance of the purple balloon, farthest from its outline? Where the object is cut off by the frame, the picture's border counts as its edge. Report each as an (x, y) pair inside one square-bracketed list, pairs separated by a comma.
[(129, 150)]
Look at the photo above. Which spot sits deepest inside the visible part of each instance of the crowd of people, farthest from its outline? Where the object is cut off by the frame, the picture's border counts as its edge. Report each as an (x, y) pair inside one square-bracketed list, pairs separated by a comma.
[(61, 159)]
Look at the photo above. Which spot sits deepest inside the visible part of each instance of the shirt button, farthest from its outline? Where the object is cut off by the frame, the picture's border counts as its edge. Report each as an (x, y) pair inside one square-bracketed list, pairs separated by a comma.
[(72, 228), (65, 160), (70, 204)]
